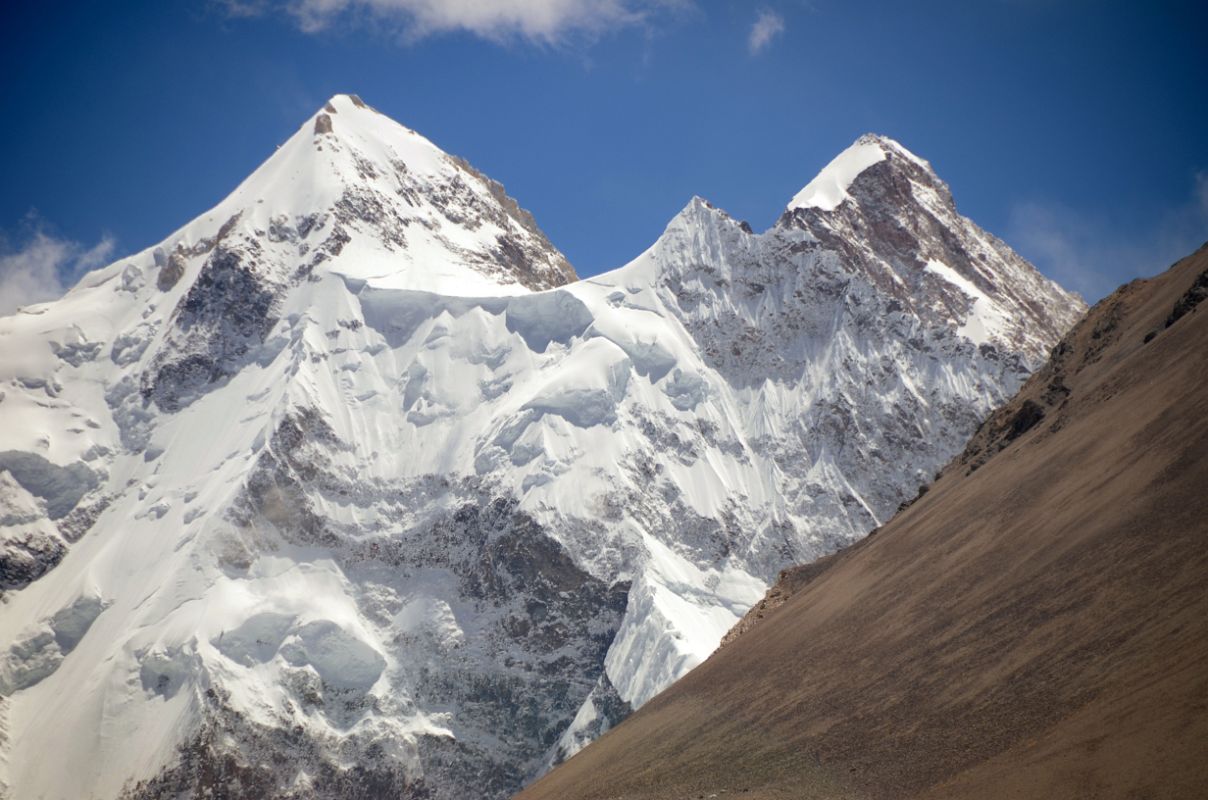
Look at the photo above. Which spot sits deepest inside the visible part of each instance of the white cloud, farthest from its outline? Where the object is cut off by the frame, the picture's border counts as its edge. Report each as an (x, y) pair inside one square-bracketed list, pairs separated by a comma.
[(768, 25), (547, 22), (45, 267), (1093, 256)]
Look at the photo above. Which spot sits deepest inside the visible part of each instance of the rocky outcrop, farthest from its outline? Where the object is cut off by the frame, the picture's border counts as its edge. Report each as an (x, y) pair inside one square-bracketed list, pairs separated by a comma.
[(171, 272)]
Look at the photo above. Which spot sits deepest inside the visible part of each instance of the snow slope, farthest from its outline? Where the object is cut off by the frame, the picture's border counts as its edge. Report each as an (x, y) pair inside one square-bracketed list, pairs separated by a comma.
[(346, 490), (829, 189)]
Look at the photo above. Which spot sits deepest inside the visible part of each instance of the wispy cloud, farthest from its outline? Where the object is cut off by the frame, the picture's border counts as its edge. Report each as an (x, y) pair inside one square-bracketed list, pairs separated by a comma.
[(1093, 257), (44, 266), (768, 25), (547, 22), (241, 9)]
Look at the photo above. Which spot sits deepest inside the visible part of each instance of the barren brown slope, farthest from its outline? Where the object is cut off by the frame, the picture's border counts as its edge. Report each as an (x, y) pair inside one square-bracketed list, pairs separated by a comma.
[(1036, 626)]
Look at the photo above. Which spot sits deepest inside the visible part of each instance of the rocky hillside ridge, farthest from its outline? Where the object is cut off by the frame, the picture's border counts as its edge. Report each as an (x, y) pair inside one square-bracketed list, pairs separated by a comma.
[(1044, 402), (339, 474)]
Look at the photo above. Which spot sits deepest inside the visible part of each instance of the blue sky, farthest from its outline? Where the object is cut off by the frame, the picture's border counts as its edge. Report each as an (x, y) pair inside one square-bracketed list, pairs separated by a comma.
[(1077, 131)]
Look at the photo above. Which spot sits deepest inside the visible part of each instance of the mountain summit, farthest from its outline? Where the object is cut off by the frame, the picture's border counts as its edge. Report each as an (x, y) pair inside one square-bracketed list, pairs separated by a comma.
[(356, 193), (346, 489), (829, 189), (888, 213)]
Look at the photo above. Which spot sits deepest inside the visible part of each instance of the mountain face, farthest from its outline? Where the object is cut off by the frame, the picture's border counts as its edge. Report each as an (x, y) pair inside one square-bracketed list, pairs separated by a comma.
[(1035, 625), (348, 488), (886, 211)]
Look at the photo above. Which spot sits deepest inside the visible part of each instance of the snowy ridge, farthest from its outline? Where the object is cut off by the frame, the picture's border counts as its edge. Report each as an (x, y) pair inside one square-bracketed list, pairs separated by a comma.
[(829, 189), (321, 496)]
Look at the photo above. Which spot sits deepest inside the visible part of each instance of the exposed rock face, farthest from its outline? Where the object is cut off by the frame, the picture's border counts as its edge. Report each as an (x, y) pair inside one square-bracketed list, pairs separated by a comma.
[(354, 493), (37, 501), (1190, 300), (224, 316), (512, 251), (171, 272)]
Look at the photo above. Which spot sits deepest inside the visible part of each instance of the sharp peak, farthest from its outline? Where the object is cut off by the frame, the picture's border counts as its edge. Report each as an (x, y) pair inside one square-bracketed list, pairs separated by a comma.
[(700, 205), (342, 110), (828, 189), (344, 100), (888, 144), (350, 119), (701, 202), (701, 211), (696, 206)]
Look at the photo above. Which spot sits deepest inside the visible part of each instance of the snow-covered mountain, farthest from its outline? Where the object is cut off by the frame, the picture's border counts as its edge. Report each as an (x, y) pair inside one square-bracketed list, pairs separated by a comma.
[(349, 489), (886, 212)]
